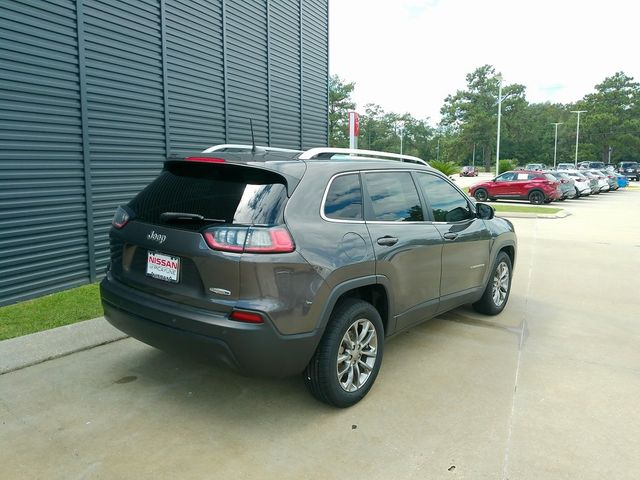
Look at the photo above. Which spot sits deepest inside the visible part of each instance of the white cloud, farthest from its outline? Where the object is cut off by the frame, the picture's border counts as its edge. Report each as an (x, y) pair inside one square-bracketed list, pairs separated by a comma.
[(408, 55)]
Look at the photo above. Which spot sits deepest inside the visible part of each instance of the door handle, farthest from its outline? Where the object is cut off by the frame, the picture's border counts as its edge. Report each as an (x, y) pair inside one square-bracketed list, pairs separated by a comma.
[(387, 241), (450, 236)]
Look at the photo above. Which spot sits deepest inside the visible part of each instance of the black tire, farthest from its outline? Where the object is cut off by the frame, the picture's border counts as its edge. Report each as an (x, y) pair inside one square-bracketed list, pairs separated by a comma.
[(488, 303), (577, 195), (321, 375), (481, 195), (536, 197)]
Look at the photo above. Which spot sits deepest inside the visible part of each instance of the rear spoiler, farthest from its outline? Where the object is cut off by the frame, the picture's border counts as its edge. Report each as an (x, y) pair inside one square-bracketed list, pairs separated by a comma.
[(287, 173)]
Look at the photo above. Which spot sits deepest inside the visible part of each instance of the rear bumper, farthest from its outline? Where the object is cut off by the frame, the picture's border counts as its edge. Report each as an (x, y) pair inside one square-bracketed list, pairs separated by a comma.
[(206, 336)]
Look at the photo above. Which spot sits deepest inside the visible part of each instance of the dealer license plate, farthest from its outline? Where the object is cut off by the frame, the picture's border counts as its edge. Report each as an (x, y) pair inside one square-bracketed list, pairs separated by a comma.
[(163, 267)]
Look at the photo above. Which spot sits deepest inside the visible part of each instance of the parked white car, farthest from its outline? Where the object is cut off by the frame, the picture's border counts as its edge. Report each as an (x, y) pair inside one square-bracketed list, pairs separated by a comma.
[(582, 183)]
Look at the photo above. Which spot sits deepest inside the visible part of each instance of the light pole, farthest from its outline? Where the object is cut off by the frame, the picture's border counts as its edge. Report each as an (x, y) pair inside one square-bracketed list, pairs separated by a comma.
[(473, 158), (400, 131), (577, 133), (499, 77), (555, 145)]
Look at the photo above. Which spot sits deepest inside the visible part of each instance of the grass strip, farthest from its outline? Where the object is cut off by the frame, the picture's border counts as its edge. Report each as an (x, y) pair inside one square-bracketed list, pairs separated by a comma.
[(524, 209), (56, 310)]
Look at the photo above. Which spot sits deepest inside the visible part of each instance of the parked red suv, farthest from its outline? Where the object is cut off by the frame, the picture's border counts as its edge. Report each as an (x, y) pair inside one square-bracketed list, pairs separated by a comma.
[(535, 186)]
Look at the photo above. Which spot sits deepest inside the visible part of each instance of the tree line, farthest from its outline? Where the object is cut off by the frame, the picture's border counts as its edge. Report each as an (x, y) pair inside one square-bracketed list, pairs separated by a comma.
[(610, 130)]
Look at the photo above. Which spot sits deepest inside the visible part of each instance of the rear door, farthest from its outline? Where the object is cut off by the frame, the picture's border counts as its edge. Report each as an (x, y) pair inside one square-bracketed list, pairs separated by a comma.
[(467, 241), (408, 248)]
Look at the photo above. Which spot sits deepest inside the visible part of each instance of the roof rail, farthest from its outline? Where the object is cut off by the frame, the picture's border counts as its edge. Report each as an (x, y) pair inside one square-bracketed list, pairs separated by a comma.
[(259, 148), (314, 152)]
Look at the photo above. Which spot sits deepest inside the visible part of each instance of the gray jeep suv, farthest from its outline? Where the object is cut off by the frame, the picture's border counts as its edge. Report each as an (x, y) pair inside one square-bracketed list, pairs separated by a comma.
[(278, 262)]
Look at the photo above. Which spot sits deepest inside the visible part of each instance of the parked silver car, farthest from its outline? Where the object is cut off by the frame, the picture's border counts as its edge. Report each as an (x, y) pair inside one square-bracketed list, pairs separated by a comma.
[(603, 181)]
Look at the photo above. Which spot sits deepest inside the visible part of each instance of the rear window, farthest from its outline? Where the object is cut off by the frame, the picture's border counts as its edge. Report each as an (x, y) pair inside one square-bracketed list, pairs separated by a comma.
[(393, 197), (548, 176), (235, 194), (344, 198)]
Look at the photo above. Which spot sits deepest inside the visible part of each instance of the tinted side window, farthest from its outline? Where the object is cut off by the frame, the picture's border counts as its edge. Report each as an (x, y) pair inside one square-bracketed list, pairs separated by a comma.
[(344, 198), (447, 203), (506, 177), (393, 197)]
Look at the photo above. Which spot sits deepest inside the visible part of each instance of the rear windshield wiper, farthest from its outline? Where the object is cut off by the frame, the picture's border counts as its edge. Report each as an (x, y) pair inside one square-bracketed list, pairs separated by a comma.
[(188, 217)]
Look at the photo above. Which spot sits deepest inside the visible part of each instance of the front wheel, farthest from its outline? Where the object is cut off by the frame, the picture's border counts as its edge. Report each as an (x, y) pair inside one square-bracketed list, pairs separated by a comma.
[(348, 358), (496, 294), (481, 195)]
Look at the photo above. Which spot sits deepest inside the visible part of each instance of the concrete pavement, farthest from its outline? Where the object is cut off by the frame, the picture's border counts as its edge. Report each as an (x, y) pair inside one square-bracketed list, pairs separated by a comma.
[(21, 352), (548, 389)]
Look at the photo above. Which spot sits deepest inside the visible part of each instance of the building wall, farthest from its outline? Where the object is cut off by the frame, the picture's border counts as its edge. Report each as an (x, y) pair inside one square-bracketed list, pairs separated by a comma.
[(95, 94)]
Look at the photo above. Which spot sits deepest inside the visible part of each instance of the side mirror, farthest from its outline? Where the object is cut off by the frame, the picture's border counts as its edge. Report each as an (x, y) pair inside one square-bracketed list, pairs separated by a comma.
[(484, 211)]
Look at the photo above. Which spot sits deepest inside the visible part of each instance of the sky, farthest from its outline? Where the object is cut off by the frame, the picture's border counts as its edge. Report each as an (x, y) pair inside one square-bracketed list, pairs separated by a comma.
[(408, 55)]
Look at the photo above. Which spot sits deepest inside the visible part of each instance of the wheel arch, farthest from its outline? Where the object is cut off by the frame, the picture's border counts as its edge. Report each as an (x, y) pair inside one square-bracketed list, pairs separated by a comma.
[(374, 289)]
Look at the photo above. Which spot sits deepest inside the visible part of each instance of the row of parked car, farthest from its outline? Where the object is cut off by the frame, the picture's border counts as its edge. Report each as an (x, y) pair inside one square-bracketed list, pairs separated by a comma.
[(540, 186)]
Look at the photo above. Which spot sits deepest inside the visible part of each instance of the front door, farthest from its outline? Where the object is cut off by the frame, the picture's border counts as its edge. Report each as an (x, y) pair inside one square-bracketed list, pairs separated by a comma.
[(467, 241)]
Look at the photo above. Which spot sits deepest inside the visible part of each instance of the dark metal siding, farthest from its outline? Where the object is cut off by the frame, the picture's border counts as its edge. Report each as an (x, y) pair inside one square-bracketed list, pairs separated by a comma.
[(43, 228), (95, 93), (284, 39), (246, 42), (195, 69), (315, 81), (126, 105)]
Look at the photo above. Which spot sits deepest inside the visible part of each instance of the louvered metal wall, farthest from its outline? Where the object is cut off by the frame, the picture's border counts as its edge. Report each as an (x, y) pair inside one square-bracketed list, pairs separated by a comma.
[(285, 80), (195, 69), (43, 227), (94, 94), (315, 57)]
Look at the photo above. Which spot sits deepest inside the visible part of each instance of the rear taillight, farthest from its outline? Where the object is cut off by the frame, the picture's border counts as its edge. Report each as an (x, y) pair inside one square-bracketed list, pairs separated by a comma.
[(247, 317), (205, 159), (250, 239), (121, 218)]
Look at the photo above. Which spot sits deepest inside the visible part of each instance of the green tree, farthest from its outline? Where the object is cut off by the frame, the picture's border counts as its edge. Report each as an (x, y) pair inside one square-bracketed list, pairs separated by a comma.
[(470, 115), (380, 130), (340, 103), (612, 120)]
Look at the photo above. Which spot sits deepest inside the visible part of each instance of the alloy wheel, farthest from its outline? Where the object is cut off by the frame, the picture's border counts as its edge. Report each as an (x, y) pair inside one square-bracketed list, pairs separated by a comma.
[(500, 284), (357, 355)]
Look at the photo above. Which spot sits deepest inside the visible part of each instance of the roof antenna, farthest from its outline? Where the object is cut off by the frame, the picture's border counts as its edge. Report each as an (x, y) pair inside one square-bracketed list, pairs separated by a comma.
[(253, 138)]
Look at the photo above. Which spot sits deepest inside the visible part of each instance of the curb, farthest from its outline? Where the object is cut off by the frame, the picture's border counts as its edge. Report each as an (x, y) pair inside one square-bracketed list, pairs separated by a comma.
[(560, 214), (21, 352)]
